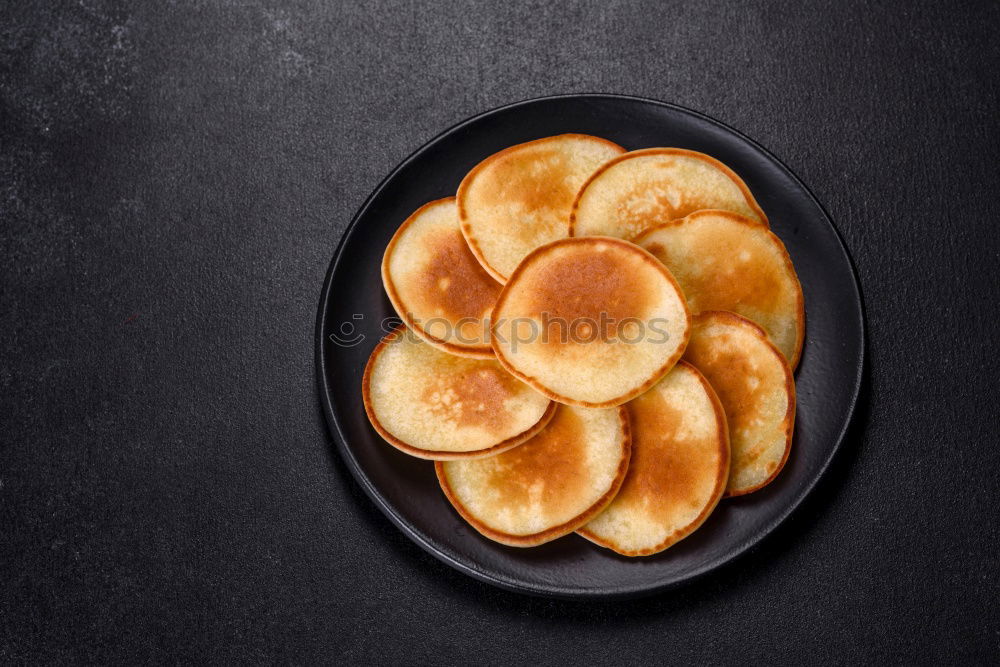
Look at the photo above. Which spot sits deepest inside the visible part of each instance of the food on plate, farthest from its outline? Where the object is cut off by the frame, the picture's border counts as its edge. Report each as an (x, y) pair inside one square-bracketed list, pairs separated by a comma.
[(678, 470), (594, 341), (520, 198), (548, 486), (755, 386), (590, 321), (723, 261), (436, 405), (643, 188), (436, 285)]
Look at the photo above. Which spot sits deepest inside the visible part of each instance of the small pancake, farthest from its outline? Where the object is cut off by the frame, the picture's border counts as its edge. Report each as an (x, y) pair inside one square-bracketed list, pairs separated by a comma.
[(439, 406), (643, 188), (726, 262), (678, 471), (436, 284), (520, 198), (547, 487), (755, 386), (590, 321)]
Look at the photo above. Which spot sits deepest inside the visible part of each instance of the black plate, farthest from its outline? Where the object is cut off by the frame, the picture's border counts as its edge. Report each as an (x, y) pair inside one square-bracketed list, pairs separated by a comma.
[(353, 304)]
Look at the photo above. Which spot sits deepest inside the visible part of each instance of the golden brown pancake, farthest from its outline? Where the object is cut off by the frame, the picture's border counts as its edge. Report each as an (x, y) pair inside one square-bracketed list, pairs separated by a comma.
[(643, 188), (520, 198), (678, 471), (590, 321), (547, 487), (726, 262), (435, 405), (755, 386), (436, 284)]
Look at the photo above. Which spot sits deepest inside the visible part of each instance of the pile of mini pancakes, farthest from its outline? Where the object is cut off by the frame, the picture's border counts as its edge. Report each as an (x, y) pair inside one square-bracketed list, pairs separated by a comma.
[(593, 341)]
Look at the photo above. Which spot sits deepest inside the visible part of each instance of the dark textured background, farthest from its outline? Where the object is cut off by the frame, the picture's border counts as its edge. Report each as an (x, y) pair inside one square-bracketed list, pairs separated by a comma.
[(174, 178)]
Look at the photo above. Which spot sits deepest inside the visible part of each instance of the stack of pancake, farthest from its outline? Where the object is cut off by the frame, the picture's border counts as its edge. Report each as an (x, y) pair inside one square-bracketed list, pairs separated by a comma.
[(593, 341)]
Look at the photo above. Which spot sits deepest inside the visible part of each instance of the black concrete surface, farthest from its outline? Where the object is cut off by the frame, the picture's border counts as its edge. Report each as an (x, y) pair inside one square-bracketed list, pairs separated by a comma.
[(174, 178)]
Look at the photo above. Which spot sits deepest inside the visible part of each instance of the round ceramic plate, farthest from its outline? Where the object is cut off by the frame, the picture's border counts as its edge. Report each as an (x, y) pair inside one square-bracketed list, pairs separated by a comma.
[(353, 311)]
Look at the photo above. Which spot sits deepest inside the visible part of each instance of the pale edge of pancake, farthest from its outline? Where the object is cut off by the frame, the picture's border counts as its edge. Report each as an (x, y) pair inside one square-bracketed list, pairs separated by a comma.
[(788, 423), (565, 528), (428, 454), (466, 232), (653, 379), (800, 314), (718, 490), (721, 166), (473, 351)]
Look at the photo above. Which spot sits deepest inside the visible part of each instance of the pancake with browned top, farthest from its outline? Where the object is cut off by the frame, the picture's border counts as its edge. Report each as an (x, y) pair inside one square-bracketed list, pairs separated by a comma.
[(727, 262), (678, 471), (436, 284), (547, 487), (520, 198), (590, 321), (755, 387), (435, 405), (643, 188)]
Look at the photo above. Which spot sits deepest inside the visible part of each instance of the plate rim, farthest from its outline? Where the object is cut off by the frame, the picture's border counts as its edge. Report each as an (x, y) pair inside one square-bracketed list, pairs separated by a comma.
[(340, 440)]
